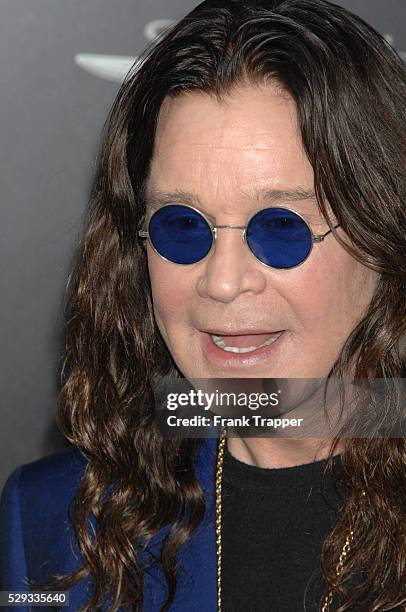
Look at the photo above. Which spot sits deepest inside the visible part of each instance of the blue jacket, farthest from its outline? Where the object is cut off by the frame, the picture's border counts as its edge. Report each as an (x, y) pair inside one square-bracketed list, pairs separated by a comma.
[(37, 539)]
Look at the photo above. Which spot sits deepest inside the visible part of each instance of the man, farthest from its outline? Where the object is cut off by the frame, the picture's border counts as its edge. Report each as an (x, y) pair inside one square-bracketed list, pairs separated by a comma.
[(260, 150)]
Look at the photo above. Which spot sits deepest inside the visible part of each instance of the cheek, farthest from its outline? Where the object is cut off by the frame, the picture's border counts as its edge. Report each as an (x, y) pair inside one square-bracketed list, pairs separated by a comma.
[(329, 294), (170, 292)]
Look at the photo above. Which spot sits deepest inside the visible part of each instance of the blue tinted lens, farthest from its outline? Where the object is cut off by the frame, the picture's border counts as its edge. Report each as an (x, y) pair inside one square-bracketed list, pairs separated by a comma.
[(279, 237), (180, 234)]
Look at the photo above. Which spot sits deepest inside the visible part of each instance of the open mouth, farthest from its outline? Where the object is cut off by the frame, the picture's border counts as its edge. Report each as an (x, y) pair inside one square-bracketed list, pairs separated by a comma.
[(246, 343)]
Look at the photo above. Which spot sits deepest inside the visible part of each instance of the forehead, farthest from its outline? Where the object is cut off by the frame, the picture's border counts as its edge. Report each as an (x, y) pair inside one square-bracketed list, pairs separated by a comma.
[(228, 153)]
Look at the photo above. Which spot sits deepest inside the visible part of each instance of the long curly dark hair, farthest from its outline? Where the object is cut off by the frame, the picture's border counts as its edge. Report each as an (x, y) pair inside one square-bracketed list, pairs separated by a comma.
[(349, 86)]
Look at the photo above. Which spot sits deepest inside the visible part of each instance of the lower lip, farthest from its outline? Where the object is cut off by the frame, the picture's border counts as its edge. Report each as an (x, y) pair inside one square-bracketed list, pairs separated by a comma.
[(227, 359)]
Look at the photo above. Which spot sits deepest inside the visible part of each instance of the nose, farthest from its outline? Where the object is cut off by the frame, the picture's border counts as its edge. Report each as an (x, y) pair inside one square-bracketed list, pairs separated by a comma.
[(230, 269)]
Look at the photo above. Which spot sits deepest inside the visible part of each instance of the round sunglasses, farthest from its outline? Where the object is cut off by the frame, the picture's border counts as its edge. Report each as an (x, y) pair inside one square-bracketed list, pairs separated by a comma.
[(278, 237)]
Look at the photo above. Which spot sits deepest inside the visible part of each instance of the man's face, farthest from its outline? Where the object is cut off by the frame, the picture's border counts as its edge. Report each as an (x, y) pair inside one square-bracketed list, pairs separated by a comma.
[(224, 155)]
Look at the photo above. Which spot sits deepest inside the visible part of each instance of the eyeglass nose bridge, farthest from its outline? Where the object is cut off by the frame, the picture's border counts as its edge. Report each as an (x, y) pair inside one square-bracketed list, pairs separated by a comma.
[(230, 226)]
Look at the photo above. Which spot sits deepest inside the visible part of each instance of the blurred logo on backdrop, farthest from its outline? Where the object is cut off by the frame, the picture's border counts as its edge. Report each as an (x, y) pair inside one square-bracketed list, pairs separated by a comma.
[(115, 67)]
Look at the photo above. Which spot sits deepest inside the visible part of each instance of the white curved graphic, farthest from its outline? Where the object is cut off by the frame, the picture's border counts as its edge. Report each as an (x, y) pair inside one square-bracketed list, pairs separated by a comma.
[(153, 29), (110, 67), (115, 67)]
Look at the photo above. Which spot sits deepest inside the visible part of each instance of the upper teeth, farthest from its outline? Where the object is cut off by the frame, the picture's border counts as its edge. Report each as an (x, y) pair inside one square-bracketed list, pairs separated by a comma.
[(221, 343)]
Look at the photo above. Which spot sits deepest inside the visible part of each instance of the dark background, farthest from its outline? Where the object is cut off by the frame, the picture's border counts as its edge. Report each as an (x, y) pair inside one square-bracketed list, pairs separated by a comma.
[(51, 116)]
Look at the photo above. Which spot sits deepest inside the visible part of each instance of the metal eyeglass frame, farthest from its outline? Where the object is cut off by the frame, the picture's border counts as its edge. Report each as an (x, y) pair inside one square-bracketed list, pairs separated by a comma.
[(142, 233)]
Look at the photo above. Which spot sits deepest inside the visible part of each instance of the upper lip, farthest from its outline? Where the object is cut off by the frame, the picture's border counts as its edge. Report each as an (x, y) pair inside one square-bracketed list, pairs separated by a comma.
[(238, 332)]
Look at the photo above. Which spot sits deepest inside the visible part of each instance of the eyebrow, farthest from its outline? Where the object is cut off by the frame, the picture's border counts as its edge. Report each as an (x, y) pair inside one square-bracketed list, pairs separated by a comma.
[(155, 198)]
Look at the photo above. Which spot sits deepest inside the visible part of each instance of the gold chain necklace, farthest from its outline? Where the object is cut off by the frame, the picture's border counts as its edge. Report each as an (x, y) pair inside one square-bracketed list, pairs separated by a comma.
[(219, 478)]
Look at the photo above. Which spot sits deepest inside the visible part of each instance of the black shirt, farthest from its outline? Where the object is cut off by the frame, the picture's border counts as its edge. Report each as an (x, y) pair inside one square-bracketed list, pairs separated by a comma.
[(274, 521)]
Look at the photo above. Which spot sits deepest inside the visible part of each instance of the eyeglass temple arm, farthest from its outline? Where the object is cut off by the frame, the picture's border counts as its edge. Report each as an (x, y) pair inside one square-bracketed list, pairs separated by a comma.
[(320, 237), (142, 232)]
